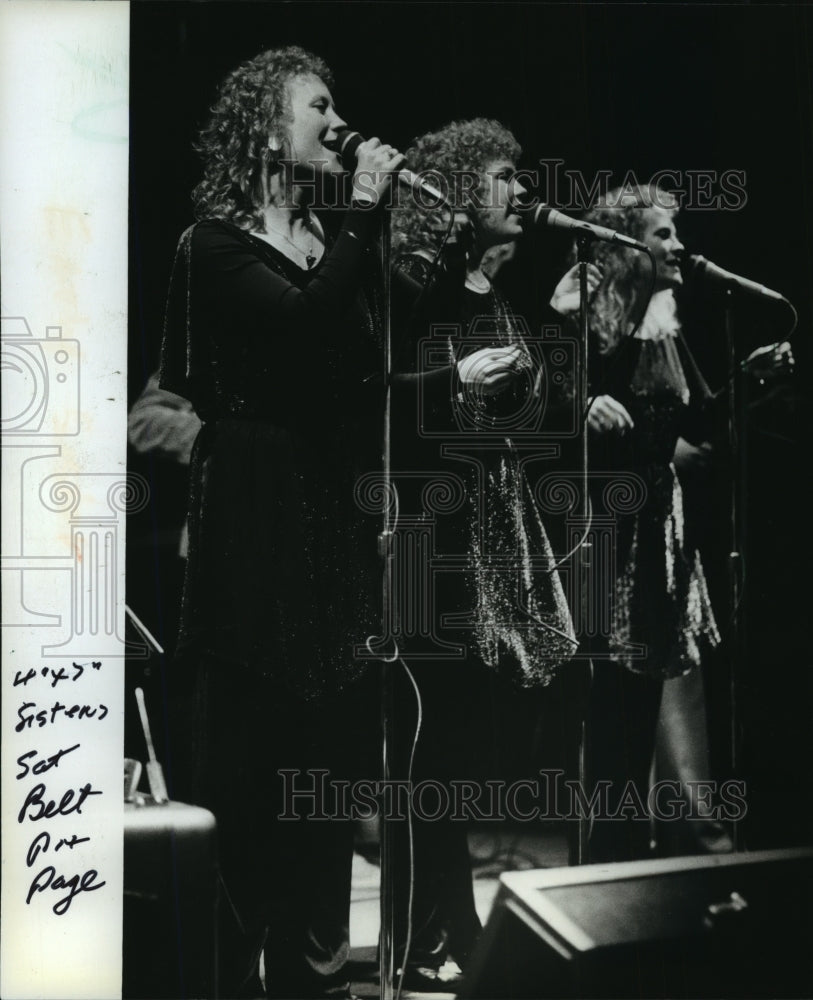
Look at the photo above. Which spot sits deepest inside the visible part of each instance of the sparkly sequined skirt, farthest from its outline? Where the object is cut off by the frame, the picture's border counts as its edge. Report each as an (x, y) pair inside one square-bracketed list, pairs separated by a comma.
[(662, 619), (523, 627)]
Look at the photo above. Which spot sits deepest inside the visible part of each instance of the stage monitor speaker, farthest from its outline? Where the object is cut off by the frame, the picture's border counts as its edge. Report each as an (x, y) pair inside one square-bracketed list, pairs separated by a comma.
[(170, 902), (734, 925)]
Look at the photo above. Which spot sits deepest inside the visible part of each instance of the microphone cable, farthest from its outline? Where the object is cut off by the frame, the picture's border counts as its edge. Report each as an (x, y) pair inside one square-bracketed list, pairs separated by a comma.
[(410, 829)]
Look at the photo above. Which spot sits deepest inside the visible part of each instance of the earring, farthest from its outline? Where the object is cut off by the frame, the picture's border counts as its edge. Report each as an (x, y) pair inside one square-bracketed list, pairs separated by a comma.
[(270, 160)]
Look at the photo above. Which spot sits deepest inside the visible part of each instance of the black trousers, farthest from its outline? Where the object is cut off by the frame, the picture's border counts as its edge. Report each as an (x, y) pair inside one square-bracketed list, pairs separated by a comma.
[(443, 916), (475, 727), (623, 716), (262, 761)]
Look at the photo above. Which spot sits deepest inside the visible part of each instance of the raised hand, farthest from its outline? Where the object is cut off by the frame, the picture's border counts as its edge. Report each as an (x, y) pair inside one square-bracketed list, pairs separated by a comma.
[(770, 363), (607, 416), (565, 298), (491, 369), (374, 166)]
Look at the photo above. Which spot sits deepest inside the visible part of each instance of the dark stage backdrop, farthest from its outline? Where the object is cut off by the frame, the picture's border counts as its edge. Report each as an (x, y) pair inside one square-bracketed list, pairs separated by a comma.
[(610, 88)]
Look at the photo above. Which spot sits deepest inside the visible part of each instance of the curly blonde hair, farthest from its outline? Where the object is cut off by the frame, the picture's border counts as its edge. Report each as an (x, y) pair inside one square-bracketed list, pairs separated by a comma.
[(625, 271), (252, 103), (458, 149)]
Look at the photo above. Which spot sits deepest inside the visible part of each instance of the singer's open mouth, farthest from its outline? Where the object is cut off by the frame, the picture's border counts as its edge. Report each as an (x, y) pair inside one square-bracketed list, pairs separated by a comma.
[(331, 142)]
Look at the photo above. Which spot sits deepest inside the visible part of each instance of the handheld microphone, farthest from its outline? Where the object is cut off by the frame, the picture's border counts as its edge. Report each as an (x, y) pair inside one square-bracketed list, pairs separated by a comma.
[(694, 264), (346, 144), (544, 215)]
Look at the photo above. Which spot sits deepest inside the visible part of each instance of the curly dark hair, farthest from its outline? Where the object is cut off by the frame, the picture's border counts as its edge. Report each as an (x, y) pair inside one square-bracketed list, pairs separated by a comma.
[(625, 271), (459, 148), (252, 103)]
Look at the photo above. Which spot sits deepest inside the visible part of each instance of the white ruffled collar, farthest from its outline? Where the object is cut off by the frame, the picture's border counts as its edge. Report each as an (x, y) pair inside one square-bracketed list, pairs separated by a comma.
[(661, 317)]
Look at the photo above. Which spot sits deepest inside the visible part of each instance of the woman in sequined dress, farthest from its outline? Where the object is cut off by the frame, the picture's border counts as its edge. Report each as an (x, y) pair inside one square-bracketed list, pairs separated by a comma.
[(273, 333), (650, 407), (480, 391)]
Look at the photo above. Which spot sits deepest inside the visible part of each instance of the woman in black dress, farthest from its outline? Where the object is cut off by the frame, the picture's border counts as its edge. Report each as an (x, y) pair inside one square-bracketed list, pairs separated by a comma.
[(472, 433), (273, 333), (648, 401)]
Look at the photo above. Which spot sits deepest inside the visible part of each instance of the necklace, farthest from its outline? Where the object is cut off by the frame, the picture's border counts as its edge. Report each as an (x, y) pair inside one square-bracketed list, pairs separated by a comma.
[(310, 259)]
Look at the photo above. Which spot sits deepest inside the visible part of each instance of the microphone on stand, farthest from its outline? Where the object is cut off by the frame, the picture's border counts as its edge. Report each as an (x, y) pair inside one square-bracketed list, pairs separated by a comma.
[(346, 145), (695, 265), (544, 215)]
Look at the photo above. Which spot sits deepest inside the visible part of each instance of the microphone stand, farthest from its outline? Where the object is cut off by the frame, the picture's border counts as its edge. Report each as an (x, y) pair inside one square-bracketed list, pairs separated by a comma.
[(735, 561), (583, 553), (386, 950)]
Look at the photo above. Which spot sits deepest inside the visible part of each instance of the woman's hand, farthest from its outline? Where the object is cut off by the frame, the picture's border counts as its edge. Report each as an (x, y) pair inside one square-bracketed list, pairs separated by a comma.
[(565, 298), (491, 369), (374, 165), (770, 363), (607, 416)]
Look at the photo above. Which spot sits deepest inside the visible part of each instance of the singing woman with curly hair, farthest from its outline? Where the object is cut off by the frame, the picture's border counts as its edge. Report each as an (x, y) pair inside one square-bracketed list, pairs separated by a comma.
[(650, 408), (491, 374), (481, 406), (273, 333)]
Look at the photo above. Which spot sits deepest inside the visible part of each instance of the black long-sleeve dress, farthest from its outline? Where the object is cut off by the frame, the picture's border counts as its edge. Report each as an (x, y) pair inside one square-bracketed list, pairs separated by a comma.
[(651, 586), (661, 616), (501, 598), (520, 624), (283, 366)]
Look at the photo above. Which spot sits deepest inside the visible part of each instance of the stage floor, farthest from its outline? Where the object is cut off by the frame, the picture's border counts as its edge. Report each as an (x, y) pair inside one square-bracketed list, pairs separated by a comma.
[(493, 850)]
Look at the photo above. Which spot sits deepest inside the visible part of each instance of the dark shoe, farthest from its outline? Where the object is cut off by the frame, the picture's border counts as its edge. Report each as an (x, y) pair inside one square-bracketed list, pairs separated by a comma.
[(424, 979)]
